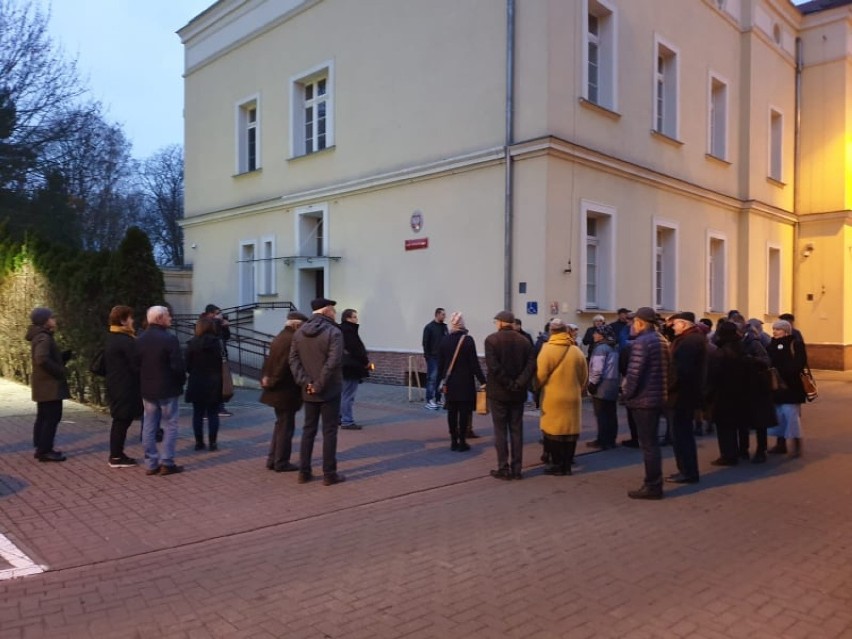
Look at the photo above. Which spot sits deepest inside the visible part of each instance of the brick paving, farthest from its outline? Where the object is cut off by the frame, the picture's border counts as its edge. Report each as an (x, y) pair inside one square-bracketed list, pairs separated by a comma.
[(420, 541)]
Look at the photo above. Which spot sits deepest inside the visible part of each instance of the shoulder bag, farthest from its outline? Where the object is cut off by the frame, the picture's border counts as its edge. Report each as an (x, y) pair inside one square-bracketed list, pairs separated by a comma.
[(808, 381)]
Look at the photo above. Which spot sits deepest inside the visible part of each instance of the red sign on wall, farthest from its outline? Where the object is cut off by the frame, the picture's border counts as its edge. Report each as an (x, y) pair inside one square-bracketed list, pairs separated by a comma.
[(419, 243)]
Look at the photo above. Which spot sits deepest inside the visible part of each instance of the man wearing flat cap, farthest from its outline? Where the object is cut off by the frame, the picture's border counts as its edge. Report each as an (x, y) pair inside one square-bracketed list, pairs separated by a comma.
[(510, 360), (48, 382), (645, 391), (316, 361), (282, 392)]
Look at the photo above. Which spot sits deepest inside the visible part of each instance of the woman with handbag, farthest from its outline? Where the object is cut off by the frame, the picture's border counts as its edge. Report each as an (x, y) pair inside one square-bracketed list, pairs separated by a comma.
[(204, 388), (789, 358), (458, 366), (562, 374)]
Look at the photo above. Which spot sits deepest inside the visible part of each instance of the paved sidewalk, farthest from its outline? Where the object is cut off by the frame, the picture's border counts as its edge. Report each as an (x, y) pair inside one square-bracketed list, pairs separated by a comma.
[(420, 541)]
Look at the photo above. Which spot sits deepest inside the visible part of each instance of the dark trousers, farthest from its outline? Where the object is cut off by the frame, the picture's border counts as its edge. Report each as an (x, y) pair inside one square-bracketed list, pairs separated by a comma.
[(647, 425), (683, 442), (606, 415), (117, 436), (199, 412), (330, 413), (561, 452), (631, 424), (727, 434), (459, 419), (760, 437), (48, 416), (281, 446), (508, 419)]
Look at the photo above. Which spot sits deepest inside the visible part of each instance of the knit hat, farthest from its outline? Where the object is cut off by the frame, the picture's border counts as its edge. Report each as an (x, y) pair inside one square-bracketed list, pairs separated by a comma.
[(456, 322), (40, 315)]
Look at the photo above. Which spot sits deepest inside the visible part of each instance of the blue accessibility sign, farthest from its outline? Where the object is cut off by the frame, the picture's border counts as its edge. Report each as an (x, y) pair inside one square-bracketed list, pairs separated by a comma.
[(532, 308)]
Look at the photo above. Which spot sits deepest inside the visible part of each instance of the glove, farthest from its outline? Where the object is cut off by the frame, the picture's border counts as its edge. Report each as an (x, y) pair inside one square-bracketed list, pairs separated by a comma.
[(593, 389)]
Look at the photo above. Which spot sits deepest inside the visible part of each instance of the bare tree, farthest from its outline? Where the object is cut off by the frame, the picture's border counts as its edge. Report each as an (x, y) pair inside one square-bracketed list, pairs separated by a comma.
[(161, 180)]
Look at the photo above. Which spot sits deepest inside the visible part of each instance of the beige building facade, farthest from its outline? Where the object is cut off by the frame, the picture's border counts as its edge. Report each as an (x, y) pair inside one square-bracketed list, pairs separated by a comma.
[(555, 157)]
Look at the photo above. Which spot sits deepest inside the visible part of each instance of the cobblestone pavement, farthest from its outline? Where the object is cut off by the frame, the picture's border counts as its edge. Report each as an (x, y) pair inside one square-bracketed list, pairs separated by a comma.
[(420, 541)]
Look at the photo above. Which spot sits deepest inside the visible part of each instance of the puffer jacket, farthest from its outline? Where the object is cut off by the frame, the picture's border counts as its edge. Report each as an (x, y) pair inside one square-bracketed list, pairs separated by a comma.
[(316, 357), (603, 371), (510, 361), (49, 374), (646, 382)]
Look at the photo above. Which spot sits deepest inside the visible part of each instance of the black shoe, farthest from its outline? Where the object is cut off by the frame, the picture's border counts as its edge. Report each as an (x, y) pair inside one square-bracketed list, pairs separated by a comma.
[(677, 478), (200, 446), (52, 456), (304, 477), (745, 456), (594, 444), (332, 479), (518, 475), (286, 467), (454, 446), (122, 462), (153, 471), (174, 469), (463, 447), (270, 465), (350, 427), (630, 443), (759, 457), (553, 470), (471, 435), (722, 461), (213, 446), (503, 474), (778, 449), (646, 493)]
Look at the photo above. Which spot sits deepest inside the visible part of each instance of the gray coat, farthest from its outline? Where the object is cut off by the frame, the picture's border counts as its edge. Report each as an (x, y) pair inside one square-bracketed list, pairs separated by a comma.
[(316, 357), (49, 374)]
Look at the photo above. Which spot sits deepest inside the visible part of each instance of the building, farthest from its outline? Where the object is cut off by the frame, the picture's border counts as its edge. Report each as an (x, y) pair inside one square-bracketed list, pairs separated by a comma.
[(558, 158)]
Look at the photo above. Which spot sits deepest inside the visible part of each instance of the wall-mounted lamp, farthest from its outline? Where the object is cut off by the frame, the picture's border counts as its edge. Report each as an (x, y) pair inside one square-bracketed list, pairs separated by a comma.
[(808, 250)]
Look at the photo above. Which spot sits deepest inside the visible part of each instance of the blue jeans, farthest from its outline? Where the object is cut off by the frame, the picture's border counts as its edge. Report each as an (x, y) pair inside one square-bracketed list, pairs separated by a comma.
[(347, 399), (160, 412), (647, 425), (432, 393)]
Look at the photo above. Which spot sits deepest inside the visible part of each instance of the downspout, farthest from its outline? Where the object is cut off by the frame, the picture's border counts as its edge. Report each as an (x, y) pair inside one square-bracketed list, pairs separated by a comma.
[(797, 160), (508, 211)]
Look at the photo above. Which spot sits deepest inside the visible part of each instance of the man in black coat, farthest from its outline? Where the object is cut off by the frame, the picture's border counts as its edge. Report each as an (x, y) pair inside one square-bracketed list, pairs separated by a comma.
[(356, 366), (162, 373), (510, 360), (433, 334), (686, 393), (282, 392)]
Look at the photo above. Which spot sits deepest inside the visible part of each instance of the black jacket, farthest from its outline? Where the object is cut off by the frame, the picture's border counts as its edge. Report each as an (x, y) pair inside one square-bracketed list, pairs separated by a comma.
[(355, 358), (161, 367), (789, 357), (122, 376), (510, 360), (460, 386), (204, 365), (688, 369), (433, 333), (728, 378)]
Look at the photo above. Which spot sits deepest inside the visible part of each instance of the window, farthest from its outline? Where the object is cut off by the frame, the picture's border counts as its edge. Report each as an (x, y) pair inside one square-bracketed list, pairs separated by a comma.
[(716, 270), (665, 91), (248, 266), (312, 112), (718, 118), (598, 256), (776, 134), (600, 54), (773, 280), (267, 266), (665, 266), (248, 136)]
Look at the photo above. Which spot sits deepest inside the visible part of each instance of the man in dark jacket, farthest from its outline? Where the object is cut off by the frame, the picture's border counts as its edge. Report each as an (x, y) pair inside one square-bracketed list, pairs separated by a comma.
[(282, 392), (510, 360), (433, 333), (49, 385), (316, 360), (162, 373), (686, 393), (356, 366), (645, 392)]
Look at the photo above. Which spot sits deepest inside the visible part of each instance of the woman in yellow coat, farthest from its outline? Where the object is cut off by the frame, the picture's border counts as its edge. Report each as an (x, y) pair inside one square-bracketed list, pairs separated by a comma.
[(562, 374)]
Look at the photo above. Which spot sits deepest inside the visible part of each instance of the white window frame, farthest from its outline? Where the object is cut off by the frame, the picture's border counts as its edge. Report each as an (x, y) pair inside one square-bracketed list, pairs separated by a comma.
[(717, 116), (267, 278), (670, 257), (605, 265), (776, 144), (297, 108), (607, 50), (774, 271), (717, 276), (247, 271), (666, 89), (243, 127)]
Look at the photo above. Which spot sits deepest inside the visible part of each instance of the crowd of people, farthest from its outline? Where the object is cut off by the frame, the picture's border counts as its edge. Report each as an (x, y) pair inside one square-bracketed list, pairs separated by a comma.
[(735, 379)]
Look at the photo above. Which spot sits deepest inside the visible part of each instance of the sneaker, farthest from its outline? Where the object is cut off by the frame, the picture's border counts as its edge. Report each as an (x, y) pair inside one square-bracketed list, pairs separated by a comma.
[(122, 462), (332, 479), (431, 405), (225, 413), (174, 469)]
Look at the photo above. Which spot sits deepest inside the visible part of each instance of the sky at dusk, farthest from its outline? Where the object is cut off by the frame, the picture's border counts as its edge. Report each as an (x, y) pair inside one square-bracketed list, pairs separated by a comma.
[(131, 59)]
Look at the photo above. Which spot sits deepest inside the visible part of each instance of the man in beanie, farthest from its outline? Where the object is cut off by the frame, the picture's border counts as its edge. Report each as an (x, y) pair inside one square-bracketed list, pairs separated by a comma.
[(510, 360), (356, 366), (316, 360), (645, 391), (48, 382), (282, 392)]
